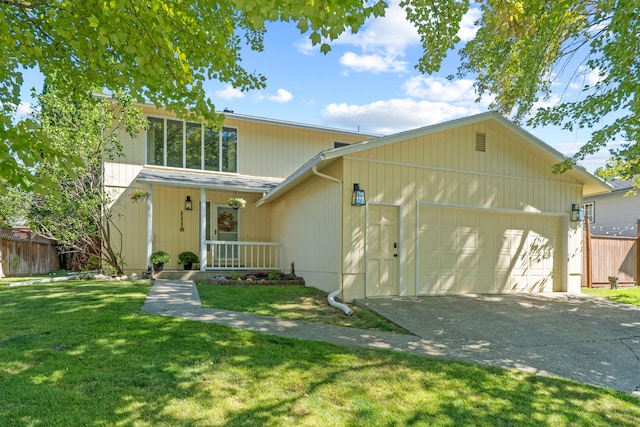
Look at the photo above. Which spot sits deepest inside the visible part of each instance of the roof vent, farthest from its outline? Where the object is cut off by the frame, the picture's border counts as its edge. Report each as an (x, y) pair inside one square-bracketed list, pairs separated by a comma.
[(481, 142)]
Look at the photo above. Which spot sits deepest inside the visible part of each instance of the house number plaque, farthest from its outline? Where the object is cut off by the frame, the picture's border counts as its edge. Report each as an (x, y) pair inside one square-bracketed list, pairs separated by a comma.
[(181, 221)]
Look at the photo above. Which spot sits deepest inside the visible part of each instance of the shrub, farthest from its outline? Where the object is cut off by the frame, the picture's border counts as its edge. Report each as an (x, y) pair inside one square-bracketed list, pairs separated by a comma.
[(160, 257), (187, 257)]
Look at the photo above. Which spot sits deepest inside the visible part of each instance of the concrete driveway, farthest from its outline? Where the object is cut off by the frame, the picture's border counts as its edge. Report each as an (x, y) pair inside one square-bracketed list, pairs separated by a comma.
[(586, 339)]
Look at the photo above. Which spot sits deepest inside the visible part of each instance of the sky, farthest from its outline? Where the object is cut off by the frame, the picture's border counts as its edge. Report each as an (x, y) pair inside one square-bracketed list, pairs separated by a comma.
[(367, 82)]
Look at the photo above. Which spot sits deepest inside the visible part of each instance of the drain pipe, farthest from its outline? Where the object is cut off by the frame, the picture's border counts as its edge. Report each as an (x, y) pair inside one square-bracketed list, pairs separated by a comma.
[(330, 298), (338, 305)]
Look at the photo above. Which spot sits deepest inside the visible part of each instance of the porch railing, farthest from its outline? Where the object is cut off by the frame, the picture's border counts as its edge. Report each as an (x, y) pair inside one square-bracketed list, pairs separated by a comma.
[(226, 255)]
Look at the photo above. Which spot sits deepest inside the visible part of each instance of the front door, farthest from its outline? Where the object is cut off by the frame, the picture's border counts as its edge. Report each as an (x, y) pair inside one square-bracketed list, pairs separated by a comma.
[(383, 251), (226, 229)]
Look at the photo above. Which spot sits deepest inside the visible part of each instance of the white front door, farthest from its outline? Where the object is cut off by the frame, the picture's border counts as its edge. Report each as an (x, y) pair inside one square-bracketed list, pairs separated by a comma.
[(226, 226), (383, 251)]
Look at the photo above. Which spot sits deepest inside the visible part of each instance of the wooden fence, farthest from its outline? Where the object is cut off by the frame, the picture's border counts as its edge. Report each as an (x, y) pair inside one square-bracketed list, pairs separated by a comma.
[(23, 252), (606, 256)]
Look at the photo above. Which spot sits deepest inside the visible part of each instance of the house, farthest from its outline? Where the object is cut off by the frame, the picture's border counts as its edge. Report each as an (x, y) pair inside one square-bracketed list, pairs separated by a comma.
[(466, 206), (615, 213)]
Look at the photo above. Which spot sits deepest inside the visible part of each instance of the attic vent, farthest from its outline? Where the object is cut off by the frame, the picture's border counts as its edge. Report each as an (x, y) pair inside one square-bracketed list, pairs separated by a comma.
[(481, 142)]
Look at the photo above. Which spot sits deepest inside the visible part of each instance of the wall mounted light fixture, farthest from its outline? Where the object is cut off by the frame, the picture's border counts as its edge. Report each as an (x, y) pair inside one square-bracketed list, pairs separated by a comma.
[(577, 212), (188, 206), (358, 198)]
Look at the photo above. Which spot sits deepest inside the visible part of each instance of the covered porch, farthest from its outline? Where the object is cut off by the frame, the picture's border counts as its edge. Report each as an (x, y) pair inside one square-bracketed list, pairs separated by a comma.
[(188, 211)]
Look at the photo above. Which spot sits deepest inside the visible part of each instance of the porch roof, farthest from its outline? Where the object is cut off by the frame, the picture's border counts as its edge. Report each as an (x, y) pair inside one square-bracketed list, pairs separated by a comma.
[(212, 181)]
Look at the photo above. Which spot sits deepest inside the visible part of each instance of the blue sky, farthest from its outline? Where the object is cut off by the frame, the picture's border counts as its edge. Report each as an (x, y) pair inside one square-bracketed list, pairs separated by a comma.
[(367, 82)]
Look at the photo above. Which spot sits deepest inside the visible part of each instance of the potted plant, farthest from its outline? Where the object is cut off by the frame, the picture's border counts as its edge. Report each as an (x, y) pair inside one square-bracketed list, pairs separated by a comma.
[(187, 259), (139, 196), (236, 202), (158, 259)]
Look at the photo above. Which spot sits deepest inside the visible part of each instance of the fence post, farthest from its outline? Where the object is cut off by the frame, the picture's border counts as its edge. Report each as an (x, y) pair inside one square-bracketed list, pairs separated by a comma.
[(589, 253)]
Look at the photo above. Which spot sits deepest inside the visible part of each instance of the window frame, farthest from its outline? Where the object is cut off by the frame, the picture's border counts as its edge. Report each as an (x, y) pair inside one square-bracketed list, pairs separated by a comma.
[(221, 155), (592, 218)]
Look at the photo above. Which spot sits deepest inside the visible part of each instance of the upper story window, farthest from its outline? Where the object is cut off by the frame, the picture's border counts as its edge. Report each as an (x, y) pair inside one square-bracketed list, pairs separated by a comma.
[(181, 144)]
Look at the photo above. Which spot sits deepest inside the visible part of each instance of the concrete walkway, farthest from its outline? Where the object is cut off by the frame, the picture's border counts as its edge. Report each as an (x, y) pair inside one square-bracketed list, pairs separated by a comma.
[(581, 338)]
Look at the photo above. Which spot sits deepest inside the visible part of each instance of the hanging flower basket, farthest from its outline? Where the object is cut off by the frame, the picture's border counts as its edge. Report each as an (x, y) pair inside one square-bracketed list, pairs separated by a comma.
[(236, 203), (139, 196)]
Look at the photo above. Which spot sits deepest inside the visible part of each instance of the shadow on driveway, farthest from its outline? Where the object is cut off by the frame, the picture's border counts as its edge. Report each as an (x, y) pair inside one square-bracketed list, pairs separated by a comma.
[(591, 340)]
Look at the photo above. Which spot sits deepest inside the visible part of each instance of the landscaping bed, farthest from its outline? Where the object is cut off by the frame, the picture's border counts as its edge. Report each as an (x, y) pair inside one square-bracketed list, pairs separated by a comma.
[(257, 279)]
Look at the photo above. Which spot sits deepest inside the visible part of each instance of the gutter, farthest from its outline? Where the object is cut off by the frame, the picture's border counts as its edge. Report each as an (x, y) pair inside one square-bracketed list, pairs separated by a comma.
[(330, 298)]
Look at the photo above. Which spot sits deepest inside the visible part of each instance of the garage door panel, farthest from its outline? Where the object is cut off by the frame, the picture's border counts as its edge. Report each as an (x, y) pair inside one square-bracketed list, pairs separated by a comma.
[(487, 252)]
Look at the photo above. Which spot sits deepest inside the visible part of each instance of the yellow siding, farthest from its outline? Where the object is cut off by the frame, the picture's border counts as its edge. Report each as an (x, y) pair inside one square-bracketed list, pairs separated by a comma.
[(444, 168), (264, 149), (307, 221), (168, 203)]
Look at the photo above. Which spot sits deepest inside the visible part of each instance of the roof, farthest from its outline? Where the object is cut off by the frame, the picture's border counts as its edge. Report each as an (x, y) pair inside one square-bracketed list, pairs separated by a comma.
[(208, 180), (592, 184)]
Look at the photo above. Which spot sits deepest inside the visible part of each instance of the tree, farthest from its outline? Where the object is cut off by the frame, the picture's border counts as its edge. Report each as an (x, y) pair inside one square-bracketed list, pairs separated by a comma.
[(163, 51), (522, 48), (79, 215), (156, 50)]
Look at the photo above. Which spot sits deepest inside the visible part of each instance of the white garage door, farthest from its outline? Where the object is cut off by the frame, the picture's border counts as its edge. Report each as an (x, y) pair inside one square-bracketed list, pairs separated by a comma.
[(471, 251)]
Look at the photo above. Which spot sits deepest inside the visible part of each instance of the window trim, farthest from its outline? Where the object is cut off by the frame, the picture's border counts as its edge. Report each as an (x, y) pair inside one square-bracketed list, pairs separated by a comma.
[(592, 219), (220, 131)]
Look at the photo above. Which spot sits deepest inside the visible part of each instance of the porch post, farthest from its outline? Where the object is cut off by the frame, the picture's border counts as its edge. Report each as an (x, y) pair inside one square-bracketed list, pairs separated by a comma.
[(203, 229), (149, 224)]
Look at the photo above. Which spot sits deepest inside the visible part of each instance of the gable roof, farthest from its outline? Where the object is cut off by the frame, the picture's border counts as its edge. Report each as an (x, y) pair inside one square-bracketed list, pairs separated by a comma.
[(212, 181), (592, 184)]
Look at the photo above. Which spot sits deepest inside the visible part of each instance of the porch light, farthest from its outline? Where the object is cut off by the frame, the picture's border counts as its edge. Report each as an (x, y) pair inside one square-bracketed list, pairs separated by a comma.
[(358, 198), (577, 213), (188, 206)]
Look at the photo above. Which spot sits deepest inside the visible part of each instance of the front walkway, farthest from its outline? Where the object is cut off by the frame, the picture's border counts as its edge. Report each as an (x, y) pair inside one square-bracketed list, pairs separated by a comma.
[(585, 339), (179, 298)]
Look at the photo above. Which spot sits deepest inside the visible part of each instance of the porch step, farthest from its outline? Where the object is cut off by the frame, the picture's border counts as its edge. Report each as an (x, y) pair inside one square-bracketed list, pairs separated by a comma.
[(195, 275)]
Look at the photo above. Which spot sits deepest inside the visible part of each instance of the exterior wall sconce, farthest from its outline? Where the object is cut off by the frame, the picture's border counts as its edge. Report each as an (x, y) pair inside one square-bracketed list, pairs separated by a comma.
[(577, 213), (358, 198), (188, 206)]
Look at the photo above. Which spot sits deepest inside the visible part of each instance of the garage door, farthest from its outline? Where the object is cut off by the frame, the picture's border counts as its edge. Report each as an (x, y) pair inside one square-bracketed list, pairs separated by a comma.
[(471, 251)]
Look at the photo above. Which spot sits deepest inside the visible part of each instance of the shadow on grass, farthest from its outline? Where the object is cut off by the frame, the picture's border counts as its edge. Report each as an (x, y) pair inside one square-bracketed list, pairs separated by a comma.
[(81, 353)]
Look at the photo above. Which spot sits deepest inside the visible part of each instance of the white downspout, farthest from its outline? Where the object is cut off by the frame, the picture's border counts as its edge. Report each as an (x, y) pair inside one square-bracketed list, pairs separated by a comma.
[(332, 295)]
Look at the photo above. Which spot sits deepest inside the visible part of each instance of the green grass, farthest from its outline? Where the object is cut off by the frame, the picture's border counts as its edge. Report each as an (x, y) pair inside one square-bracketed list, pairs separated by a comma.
[(82, 354), (627, 295), (290, 302)]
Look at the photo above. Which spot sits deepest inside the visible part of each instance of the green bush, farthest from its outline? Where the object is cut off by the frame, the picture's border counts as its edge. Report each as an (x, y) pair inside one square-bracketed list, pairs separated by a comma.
[(187, 258), (160, 257)]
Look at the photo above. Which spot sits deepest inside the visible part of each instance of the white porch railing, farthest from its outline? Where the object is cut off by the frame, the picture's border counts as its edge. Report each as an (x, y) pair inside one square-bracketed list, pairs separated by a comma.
[(225, 255)]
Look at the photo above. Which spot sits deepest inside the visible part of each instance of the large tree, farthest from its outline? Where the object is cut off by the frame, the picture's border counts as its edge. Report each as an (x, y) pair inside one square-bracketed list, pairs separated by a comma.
[(163, 51), (79, 215), (156, 50), (524, 49)]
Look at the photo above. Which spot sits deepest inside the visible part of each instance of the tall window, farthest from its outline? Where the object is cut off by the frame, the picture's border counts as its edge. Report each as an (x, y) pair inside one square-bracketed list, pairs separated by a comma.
[(188, 145), (590, 211)]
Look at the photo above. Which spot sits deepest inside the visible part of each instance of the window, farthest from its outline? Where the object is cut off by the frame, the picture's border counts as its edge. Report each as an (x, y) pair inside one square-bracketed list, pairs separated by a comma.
[(180, 144), (590, 211)]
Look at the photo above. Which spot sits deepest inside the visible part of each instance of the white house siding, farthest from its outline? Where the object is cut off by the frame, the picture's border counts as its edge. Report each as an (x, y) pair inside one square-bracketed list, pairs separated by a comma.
[(443, 169), (615, 214), (307, 222)]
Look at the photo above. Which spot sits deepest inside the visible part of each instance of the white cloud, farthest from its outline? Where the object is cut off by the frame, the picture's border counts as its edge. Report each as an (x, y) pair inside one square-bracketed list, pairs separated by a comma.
[(374, 63), (440, 89), (468, 28), (229, 92), (281, 96), (24, 109), (394, 115)]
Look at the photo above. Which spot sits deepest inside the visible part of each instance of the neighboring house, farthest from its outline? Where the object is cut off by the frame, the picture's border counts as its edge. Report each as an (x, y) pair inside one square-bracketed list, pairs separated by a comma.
[(615, 213), (466, 206)]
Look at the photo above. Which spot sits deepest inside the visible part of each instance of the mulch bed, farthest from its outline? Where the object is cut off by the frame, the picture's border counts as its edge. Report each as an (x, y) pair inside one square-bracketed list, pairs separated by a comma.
[(257, 279)]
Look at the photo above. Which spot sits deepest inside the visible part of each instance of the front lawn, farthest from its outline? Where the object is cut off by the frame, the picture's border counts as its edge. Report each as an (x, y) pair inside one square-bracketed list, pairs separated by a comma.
[(627, 295), (82, 354), (290, 302)]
